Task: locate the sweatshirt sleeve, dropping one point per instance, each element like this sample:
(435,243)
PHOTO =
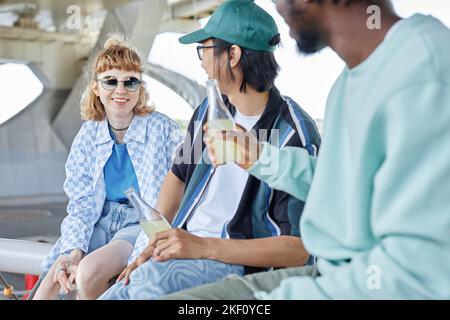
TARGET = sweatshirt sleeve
(290,169)
(410,212)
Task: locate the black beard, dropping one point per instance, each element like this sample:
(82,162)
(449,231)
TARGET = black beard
(308,37)
(309,42)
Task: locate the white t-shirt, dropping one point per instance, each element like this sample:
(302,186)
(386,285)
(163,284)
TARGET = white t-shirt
(221,198)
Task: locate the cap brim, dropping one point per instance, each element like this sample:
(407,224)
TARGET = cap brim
(193,37)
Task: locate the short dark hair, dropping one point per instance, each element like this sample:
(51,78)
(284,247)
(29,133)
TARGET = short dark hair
(259,68)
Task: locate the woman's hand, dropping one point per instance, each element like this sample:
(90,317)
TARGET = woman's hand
(247,145)
(66,269)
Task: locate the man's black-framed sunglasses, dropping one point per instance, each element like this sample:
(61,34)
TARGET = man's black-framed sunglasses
(131,84)
(200,50)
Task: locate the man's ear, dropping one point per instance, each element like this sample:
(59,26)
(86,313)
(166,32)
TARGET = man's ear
(235,55)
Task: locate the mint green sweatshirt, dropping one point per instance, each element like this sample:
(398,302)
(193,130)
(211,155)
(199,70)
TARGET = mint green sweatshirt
(377,214)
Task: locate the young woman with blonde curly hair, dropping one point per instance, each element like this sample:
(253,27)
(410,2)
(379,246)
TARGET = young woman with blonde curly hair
(123,143)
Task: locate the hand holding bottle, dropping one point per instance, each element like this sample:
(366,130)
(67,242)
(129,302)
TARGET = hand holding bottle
(151,220)
(247,145)
(219,119)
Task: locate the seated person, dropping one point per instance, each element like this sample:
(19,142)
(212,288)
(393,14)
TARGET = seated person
(225,221)
(123,143)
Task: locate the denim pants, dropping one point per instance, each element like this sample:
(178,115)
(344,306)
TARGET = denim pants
(118,222)
(153,280)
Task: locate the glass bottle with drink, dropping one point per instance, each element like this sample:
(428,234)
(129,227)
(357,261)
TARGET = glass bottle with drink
(151,220)
(220,119)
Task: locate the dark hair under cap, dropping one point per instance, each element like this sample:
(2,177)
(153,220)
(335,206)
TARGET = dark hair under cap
(259,68)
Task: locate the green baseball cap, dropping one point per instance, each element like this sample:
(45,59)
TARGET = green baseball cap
(239,22)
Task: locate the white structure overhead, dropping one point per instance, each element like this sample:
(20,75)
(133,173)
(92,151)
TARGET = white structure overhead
(34,143)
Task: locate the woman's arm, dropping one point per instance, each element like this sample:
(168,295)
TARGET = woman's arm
(77,227)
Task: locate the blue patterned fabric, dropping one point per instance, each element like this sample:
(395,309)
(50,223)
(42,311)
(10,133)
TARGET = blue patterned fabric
(151,141)
(156,279)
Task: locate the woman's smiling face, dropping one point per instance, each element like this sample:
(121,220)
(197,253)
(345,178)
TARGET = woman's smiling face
(118,102)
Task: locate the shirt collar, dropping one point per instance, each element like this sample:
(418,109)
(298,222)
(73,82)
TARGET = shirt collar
(271,111)
(103,135)
(136,131)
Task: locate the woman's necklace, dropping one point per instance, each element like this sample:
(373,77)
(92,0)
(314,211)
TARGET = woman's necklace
(121,129)
(118,136)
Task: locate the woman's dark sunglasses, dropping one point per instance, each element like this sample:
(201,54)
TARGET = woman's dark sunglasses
(131,84)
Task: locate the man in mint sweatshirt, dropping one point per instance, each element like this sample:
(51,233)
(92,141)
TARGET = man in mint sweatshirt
(377,213)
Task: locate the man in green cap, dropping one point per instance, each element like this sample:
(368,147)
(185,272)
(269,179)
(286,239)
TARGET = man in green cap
(377,210)
(225,221)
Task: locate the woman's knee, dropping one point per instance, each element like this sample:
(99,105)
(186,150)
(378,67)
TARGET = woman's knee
(88,276)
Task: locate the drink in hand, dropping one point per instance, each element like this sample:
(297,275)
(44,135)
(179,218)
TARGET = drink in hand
(225,150)
(220,119)
(151,220)
(152,227)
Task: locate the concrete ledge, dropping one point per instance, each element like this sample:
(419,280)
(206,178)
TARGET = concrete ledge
(32,200)
(22,256)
